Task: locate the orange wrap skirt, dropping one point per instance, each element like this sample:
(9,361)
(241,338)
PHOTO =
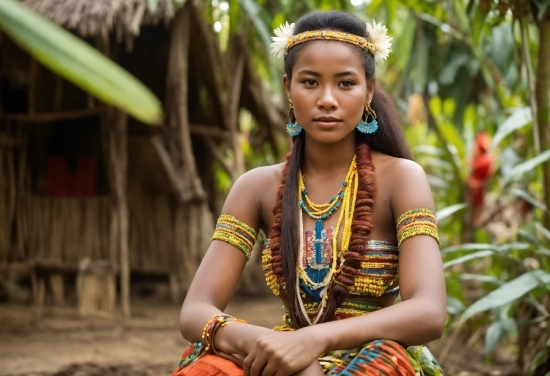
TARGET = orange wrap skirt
(379,357)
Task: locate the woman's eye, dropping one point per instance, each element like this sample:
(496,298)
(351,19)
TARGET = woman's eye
(347,83)
(309,82)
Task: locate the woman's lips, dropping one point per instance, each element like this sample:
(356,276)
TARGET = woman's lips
(327,121)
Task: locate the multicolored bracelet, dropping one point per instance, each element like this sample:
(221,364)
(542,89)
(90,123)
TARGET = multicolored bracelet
(212,326)
(235,232)
(414,222)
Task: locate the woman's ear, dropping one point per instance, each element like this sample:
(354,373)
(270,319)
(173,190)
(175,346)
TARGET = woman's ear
(370,90)
(286,84)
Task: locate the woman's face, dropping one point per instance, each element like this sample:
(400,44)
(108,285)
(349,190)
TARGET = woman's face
(328,90)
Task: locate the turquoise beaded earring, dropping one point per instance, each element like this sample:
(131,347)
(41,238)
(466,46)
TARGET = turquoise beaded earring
(370,127)
(293,128)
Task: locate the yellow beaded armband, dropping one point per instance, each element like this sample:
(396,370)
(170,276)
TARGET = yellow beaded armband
(416,222)
(237,233)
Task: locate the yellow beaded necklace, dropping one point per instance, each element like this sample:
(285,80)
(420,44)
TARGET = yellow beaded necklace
(345,218)
(319,211)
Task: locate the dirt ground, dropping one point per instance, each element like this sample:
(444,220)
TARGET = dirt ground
(57,341)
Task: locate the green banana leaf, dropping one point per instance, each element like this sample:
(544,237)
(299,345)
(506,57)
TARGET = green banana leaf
(526,166)
(508,292)
(76,61)
(449,210)
(468,257)
(494,333)
(524,195)
(518,119)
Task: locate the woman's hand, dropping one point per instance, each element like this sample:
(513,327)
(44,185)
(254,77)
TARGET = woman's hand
(281,354)
(238,359)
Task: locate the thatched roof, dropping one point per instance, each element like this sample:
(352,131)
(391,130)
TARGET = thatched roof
(101,17)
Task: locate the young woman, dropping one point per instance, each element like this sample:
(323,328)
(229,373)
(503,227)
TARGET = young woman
(349,223)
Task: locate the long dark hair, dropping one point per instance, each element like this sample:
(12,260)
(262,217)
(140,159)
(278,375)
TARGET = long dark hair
(388,139)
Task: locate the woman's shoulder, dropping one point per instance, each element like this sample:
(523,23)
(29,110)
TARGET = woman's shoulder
(258,182)
(252,191)
(404,181)
(261,176)
(397,168)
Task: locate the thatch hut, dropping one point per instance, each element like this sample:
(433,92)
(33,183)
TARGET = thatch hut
(89,196)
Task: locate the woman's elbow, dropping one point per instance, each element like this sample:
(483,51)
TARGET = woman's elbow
(436,323)
(185,324)
(183,330)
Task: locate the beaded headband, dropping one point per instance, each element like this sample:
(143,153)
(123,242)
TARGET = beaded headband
(378,43)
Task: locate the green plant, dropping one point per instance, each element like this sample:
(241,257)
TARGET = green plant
(75,60)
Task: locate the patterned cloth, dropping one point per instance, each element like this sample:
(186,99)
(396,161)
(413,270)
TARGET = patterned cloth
(379,357)
(206,365)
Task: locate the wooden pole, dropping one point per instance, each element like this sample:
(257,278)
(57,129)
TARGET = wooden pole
(119,153)
(115,136)
(115,139)
(177,94)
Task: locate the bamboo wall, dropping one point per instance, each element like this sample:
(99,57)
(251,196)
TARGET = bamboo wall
(65,230)
(12,178)
(68,230)
(152,233)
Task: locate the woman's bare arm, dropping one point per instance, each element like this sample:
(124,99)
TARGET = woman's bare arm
(220,270)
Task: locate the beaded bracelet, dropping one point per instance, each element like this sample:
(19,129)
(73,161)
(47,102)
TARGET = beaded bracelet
(212,327)
(235,232)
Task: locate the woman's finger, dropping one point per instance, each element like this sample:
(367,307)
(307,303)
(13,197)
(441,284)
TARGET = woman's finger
(268,370)
(255,366)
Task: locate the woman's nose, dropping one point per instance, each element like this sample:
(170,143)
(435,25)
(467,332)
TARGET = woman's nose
(327,99)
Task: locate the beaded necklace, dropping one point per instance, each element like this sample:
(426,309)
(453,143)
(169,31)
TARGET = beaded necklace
(320,212)
(346,199)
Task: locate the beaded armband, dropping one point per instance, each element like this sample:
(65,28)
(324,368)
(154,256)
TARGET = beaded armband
(237,233)
(416,222)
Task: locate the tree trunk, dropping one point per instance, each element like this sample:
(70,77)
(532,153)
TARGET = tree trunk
(177,94)
(542,89)
(190,233)
(238,65)
(523,17)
